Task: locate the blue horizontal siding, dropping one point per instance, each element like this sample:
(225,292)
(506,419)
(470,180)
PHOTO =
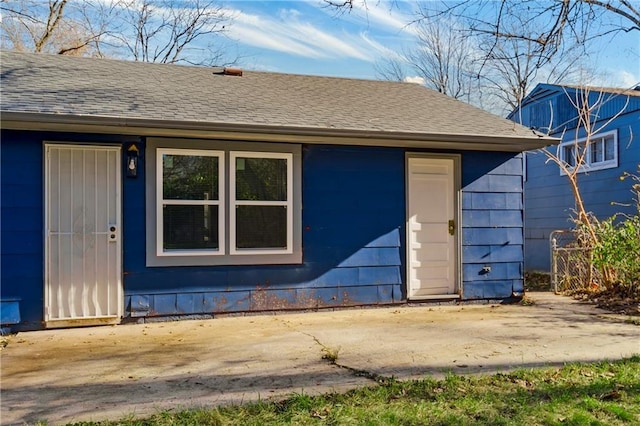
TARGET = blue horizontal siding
(489,200)
(492,228)
(259,299)
(373,256)
(492,218)
(497,184)
(492,236)
(379,275)
(499,271)
(492,290)
(489,254)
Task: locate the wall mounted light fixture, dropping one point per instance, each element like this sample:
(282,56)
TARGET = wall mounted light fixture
(132,161)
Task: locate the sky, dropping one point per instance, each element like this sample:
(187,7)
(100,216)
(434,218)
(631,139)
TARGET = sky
(307,37)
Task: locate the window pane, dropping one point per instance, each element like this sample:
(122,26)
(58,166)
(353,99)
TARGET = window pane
(261,179)
(189,177)
(569,155)
(261,227)
(609,148)
(190,227)
(597,151)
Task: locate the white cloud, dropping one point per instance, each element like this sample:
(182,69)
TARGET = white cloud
(288,32)
(627,79)
(381,49)
(381,13)
(323,41)
(415,79)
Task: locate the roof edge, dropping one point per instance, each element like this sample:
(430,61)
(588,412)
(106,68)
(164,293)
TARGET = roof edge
(144,127)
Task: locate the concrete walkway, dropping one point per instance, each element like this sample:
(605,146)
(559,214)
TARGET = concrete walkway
(110,372)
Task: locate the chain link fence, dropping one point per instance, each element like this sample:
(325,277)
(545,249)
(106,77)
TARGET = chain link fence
(571,265)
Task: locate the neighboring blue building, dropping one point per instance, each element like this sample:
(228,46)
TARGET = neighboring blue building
(133,190)
(615,149)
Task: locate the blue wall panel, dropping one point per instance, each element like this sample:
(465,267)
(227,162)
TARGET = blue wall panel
(499,271)
(379,275)
(492,225)
(21,192)
(9,312)
(491,236)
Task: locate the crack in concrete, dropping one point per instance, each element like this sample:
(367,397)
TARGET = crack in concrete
(331,356)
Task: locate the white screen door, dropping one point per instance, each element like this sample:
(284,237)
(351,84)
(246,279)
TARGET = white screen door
(83,256)
(431,228)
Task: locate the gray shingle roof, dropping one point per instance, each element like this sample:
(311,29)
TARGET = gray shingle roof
(161,96)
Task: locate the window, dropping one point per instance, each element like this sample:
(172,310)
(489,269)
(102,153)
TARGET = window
(190,189)
(260,207)
(237,204)
(602,152)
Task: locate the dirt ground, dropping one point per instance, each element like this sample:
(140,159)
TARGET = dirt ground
(110,372)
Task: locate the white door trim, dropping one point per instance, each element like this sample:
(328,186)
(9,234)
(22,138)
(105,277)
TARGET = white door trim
(116,311)
(456,198)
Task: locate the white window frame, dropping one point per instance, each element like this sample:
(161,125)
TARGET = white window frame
(161,202)
(233,203)
(588,165)
(183,145)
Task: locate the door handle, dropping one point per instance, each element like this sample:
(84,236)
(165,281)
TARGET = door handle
(452,227)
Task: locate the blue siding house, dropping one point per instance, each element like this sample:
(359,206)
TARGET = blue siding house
(134,191)
(614,149)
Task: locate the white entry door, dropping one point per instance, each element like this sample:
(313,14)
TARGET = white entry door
(83,255)
(431,228)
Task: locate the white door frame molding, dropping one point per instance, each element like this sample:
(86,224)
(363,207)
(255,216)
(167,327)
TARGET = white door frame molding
(83,235)
(455,197)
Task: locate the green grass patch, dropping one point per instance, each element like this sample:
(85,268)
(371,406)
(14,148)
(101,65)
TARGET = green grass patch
(603,393)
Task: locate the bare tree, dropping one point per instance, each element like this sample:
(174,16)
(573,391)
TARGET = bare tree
(556,22)
(442,57)
(510,67)
(391,69)
(56,26)
(472,67)
(572,158)
(167,31)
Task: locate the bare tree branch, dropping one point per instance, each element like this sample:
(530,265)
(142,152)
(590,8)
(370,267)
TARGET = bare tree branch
(590,123)
(145,30)
(162,31)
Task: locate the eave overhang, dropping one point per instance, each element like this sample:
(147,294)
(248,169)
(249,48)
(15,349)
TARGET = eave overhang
(34,121)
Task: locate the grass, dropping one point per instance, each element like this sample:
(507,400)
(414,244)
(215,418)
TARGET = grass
(604,393)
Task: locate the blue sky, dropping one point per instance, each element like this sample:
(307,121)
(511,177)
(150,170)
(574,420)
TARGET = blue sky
(307,37)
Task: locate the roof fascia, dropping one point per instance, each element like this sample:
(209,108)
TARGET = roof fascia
(138,127)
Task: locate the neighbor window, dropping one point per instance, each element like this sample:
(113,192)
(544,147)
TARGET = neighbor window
(237,204)
(602,152)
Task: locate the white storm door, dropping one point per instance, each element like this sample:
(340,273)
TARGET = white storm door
(83,245)
(431,240)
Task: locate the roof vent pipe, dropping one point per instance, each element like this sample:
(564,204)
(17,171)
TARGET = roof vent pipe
(236,72)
